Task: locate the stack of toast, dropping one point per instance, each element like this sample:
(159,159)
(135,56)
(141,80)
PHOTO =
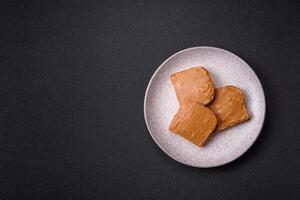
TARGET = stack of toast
(204,108)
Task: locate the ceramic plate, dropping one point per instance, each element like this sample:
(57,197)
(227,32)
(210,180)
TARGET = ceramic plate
(161,104)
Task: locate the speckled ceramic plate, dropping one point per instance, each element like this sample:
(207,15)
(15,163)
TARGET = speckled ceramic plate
(161,104)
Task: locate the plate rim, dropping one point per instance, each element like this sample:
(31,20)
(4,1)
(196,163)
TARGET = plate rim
(203,47)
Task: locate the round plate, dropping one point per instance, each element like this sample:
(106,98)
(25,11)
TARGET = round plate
(160,105)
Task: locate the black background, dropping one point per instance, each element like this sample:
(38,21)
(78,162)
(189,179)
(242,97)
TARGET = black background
(72,80)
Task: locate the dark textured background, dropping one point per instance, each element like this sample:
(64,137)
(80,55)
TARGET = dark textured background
(72,82)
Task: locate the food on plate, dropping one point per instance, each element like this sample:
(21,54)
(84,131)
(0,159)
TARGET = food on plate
(193,85)
(194,122)
(229,107)
(202,108)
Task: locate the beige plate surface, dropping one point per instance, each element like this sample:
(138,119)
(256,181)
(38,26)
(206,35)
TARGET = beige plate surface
(160,105)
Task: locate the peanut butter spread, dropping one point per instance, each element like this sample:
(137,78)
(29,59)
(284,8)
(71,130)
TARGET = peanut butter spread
(193,85)
(229,107)
(194,122)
